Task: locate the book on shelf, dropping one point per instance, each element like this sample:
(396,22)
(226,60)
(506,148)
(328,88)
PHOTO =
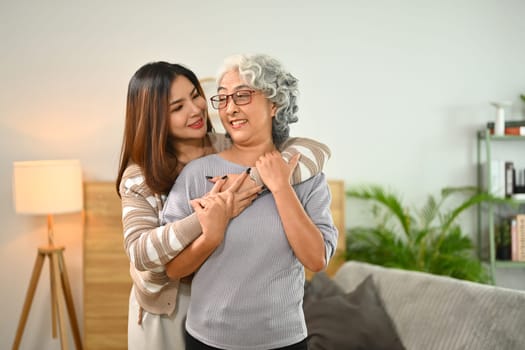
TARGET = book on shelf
(495,184)
(501,179)
(520,238)
(508,123)
(512,130)
(514,228)
(509,179)
(512,127)
(519,184)
(513,239)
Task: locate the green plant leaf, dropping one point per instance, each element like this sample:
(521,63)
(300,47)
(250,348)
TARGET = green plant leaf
(427,240)
(388,200)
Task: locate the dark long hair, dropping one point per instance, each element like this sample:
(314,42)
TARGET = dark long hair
(147,141)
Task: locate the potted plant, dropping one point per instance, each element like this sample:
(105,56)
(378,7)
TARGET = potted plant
(427,239)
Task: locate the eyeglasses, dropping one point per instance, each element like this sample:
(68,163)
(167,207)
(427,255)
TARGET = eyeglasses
(240,98)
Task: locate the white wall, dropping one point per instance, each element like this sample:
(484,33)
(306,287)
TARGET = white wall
(397,89)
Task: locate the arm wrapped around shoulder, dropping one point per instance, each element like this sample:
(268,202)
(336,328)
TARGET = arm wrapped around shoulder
(314,156)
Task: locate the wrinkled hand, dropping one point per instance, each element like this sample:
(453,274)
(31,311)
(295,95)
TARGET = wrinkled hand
(275,172)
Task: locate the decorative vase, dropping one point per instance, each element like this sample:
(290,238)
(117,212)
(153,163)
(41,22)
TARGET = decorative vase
(499,125)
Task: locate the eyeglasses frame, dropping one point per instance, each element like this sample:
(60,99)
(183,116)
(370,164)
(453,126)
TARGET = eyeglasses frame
(252,92)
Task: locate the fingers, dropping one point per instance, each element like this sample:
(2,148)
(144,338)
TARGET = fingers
(271,157)
(238,182)
(246,201)
(211,200)
(253,191)
(213,179)
(218,185)
(229,203)
(197,205)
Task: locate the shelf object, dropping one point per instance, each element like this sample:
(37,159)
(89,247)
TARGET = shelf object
(485,141)
(499,128)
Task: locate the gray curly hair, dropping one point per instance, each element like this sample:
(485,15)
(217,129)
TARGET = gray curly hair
(268,75)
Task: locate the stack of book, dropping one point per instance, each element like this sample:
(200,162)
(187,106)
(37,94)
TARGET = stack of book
(505,180)
(511,242)
(517,235)
(512,127)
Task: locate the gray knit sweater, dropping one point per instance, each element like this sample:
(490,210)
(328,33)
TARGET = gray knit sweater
(248,294)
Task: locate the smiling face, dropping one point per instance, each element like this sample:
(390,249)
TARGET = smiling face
(249,123)
(186,110)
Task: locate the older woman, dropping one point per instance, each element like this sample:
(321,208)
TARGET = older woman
(248,286)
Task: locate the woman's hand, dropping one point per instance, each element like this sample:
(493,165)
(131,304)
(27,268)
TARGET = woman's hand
(274,170)
(240,186)
(230,180)
(214,213)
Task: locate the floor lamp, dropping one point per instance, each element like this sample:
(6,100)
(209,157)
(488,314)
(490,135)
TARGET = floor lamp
(48,188)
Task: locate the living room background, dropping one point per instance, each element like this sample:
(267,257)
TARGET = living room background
(397,89)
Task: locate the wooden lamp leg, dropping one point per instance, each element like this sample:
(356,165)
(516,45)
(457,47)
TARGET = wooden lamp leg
(54,299)
(37,269)
(69,301)
(59,297)
(60,294)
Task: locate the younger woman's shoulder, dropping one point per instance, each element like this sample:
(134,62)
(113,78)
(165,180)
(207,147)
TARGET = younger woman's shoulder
(303,143)
(133,180)
(132,170)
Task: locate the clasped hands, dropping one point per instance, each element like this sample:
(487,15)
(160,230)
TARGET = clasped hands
(229,198)
(233,193)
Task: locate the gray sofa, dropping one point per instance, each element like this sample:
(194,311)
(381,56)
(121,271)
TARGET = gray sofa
(434,312)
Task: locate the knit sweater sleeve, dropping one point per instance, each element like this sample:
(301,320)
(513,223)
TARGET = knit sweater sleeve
(148,244)
(314,156)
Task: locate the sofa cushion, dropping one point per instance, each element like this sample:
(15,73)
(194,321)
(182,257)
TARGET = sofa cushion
(437,312)
(355,320)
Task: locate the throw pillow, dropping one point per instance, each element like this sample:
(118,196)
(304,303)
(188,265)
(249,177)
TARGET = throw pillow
(320,287)
(356,320)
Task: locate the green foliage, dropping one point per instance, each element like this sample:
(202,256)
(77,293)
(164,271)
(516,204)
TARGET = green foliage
(426,239)
(502,234)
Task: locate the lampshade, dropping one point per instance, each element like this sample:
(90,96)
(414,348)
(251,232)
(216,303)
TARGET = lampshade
(47,186)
